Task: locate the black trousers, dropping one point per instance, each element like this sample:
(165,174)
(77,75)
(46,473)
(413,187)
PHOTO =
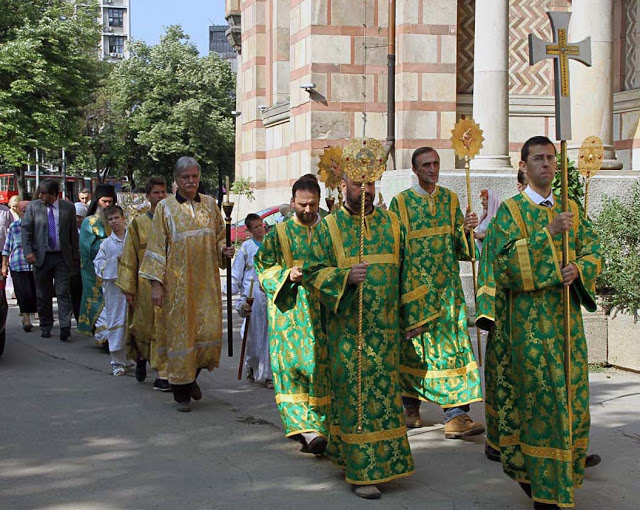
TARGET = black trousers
(53,273)
(182,392)
(25,287)
(76,294)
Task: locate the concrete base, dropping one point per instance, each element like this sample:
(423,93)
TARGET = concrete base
(624,342)
(595,329)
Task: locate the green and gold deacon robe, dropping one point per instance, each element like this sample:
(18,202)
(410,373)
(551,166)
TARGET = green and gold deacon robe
(380,452)
(184,253)
(92,232)
(438,365)
(141,323)
(301,395)
(527,410)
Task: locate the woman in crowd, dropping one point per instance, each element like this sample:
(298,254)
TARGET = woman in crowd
(21,272)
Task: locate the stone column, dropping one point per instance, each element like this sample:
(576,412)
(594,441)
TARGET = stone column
(491,84)
(592,87)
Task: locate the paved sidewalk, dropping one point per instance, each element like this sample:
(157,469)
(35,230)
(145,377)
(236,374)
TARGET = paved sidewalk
(72,436)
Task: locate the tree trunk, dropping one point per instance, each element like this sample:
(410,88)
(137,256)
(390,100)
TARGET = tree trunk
(19,173)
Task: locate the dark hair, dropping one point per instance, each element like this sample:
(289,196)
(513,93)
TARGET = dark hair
(534,140)
(308,182)
(84,190)
(112,209)
(154,181)
(49,186)
(251,217)
(419,152)
(522,177)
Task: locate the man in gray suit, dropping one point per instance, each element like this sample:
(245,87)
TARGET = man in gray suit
(50,242)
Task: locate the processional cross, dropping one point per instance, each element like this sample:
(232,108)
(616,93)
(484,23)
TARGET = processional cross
(561,51)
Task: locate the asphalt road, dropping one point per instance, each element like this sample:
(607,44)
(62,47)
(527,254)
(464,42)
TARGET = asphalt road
(72,436)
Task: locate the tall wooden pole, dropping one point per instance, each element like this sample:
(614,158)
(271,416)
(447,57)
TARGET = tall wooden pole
(227,207)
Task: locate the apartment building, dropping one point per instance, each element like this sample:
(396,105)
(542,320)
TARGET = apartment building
(115,18)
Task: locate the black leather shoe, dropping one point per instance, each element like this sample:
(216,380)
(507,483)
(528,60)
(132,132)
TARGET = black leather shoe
(592,460)
(65,333)
(544,506)
(526,488)
(141,370)
(45,333)
(195,392)
(317,446)
(491,453)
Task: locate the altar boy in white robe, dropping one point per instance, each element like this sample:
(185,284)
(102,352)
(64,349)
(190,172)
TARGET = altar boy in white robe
(257,361)
(115,302)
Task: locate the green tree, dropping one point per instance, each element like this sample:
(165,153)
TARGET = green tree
(171,102)
(48,71)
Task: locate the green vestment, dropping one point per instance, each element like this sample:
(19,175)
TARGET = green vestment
(438,365)
(300,395)
(380,452)
(520,292)
(92,232)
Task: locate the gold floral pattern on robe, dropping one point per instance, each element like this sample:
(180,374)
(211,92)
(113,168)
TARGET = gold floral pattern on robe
(526,401)
(184,253)
(141,318)
(438,365)
(302,399)
(381,451)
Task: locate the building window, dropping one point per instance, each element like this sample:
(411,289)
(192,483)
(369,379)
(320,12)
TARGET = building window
(116,17)
(116,45)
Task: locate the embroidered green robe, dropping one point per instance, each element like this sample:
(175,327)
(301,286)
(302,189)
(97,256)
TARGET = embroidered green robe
(438,365)
(527,412)
(92,232)
(300,395)
(381,451)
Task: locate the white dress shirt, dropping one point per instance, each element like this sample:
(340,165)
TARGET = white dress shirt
(537,198)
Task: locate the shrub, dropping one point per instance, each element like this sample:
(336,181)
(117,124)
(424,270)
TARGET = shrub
(619,228)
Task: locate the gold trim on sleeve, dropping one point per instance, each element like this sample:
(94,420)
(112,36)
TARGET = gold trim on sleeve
(525,264)
(285,246)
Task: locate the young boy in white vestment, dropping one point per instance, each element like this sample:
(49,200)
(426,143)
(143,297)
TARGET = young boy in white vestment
(257,362)
(115,302)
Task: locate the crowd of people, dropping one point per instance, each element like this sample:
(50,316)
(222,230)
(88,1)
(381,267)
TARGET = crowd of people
(350,346)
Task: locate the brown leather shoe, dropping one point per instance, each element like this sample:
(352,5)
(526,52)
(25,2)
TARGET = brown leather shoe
(462,426)
(412,417)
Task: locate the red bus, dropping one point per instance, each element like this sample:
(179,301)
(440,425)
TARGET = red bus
(72,185)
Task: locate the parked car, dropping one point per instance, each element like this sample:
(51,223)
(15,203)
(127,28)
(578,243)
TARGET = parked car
(270,216)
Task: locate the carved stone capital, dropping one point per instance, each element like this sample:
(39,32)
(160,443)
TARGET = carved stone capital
(234,32)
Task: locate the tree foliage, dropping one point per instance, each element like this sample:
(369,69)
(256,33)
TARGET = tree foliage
(619,228)
(171,102)
(48,72)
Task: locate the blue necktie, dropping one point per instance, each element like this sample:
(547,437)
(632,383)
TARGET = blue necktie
(52,229)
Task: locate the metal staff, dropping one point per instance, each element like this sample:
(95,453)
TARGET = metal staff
(227,207)
(560,51)
(466,138)
(246,331)
(364,161)
(472,252)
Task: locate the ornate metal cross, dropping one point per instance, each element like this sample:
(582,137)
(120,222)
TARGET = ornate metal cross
(560,51)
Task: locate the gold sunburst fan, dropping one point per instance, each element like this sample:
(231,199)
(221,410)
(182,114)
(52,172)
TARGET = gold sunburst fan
(364,159)
(330,167)
(466,138)
(591,156)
